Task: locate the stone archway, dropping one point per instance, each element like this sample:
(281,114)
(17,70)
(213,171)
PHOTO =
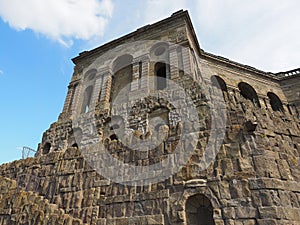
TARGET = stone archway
(199,210)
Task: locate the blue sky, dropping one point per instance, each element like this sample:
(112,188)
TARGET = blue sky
(39,38)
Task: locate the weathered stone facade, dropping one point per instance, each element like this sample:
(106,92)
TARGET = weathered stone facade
(253,178)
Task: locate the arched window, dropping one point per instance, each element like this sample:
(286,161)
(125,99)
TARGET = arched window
(46,148)
(275,102)
(87,99)
(161,75)
(121,62)
(248,92)
(218,82)
(199,211)
(122,76)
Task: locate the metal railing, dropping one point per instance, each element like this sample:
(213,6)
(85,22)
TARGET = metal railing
(27,152)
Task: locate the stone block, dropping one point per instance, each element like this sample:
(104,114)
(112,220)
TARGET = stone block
(271,212)
(249,222)
(266,167)
(229,212)
(267,222)
(246,212)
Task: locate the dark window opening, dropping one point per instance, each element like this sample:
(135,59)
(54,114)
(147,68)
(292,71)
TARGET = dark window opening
(289,108)
(218,82)
(75,145)
(140,73)
(248,92)
(180,61)
(46,148)
(199,211)
(114,127)
(275,102)
(87,99)
(161,75)
(113,137)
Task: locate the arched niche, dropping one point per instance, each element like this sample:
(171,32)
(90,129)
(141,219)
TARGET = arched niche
(275,102)
(248,92)
(218,82)
(46,148)
(199,210)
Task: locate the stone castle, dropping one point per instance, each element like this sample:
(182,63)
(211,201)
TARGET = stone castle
(155,130)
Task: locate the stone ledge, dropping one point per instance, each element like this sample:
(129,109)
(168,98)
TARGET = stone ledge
(272,183)
(279,213)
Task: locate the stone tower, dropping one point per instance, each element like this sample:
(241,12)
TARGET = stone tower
(155,130)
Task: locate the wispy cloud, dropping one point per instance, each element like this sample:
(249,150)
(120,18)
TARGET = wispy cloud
(61,20)
(1,72)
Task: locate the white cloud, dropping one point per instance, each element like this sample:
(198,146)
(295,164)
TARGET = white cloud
(61,20)
(1,72)
(263,34)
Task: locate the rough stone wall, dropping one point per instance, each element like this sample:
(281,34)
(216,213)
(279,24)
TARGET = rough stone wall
(291,88)
(254,179)
(25,207)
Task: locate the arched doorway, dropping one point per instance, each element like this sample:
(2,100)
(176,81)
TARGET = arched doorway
(199,211)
